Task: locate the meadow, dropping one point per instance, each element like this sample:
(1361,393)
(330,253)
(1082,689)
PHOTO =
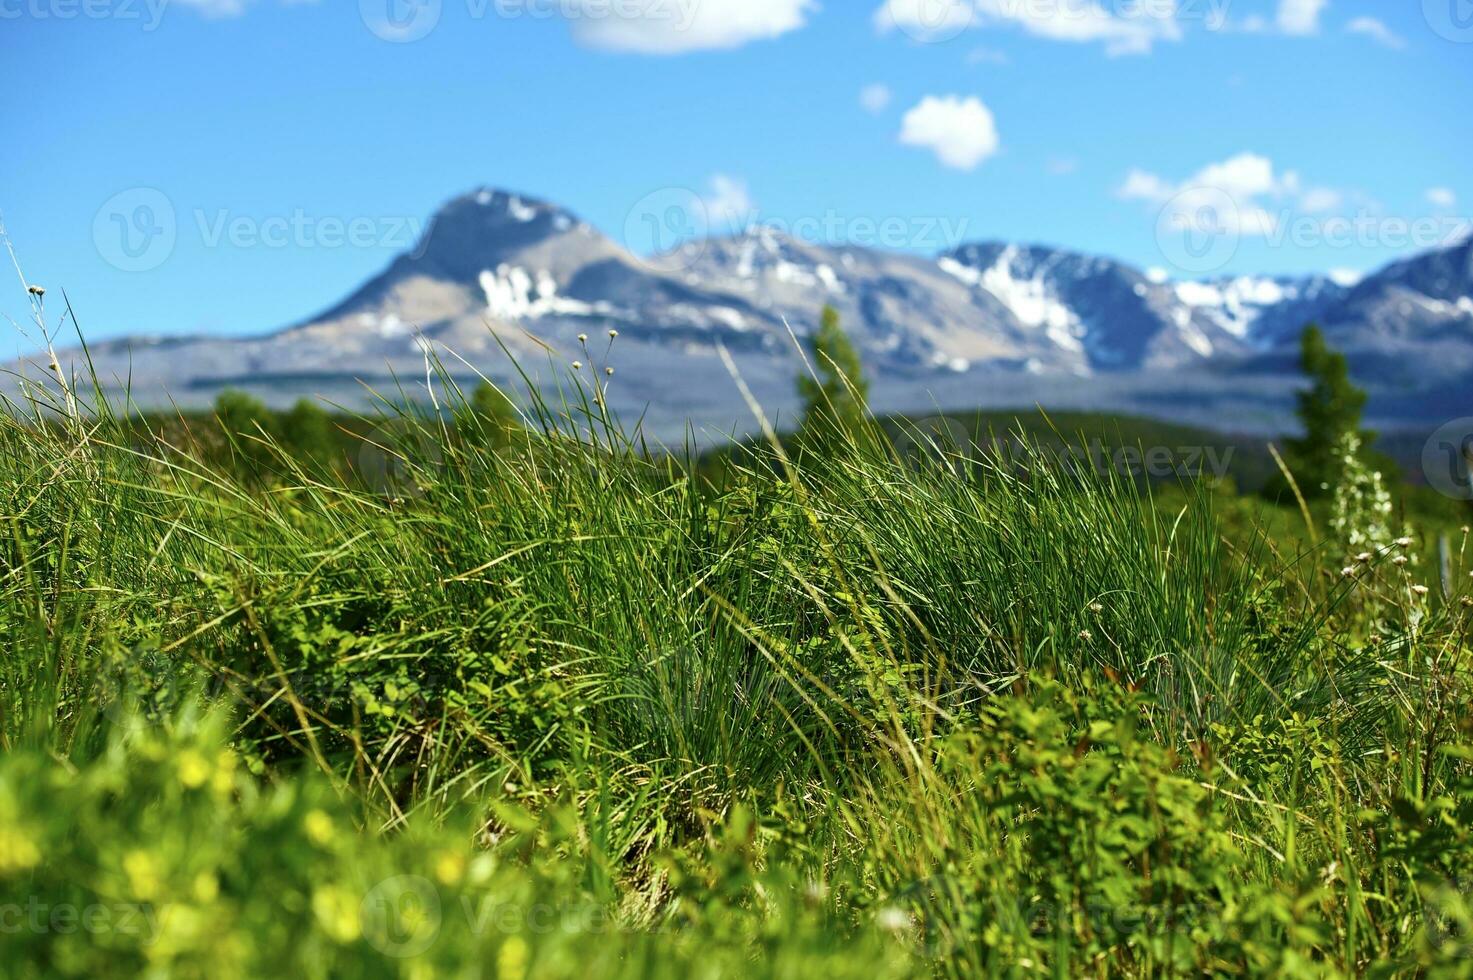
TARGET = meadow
(549,703)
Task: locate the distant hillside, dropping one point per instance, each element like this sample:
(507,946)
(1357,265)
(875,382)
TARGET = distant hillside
(983,324)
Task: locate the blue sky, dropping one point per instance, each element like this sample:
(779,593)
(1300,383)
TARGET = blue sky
(299,144)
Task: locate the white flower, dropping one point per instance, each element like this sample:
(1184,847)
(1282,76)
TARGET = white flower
(609,371)
(1399,560)
(1420,589)
(1095,607)
(583,338)
(1347,571)
(892,919)
(613,334)
(577,365)
(1086,635)
(1364,556)
(1403,542)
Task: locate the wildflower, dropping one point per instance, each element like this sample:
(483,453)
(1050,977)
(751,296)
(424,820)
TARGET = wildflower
(1420,589)
(1362,507)
(1403,542)
(17,851)
(142,869)
(892,919)
(1467,600)
(1347,572)
(206,886)
(223,781)
(319,828)
(1086,635)
(1364,556)
(577,365)
(1095,607)
(583,338)
(511,959)
(36,291)
(1399,560)
(613,334)
(193,769)
(609,371)
(337,913)
(450,868)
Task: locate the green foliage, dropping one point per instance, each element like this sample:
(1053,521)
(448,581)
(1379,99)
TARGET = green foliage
(490,418)
(834,399)
(1329,410)
(306,430)
(850,713)
(246,425)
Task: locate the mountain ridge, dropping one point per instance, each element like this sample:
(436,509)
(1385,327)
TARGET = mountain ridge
(493,268)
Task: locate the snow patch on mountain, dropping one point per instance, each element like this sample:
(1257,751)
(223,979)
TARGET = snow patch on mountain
(513,294)
(1032,301)
(1235,305)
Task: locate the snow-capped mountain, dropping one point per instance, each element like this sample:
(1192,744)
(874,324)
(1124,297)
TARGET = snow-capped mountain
(979,323)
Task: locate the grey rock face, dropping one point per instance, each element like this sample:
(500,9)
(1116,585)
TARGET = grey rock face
(496,269)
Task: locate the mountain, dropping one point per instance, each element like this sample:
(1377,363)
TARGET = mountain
(986,323)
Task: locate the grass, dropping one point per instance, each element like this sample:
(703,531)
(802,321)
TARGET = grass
(559,706)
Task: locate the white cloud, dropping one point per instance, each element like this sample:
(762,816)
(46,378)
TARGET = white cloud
(1376,31)
(1134,29)
(677,26)
(1301,16)
(728,203)
(961,132)
(1238,190)
(926,19)
(987,56)
(1442,197)
(214,8)
(227,8)
(875,98)
(1320,200)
